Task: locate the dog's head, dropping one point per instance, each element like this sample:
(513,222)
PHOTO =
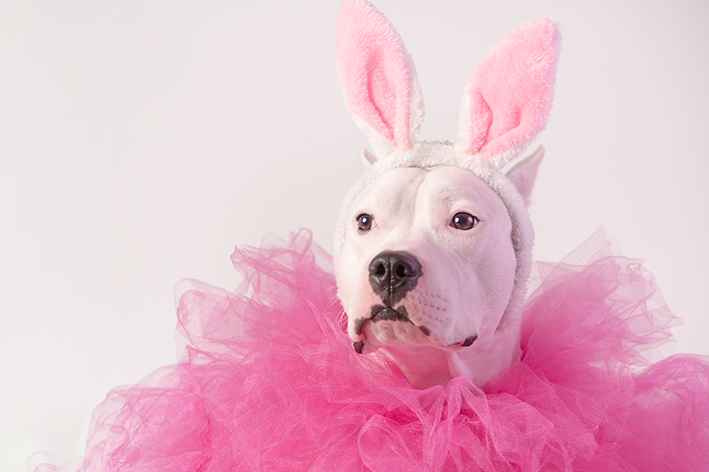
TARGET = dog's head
(433,243)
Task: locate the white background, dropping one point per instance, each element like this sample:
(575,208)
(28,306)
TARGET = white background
(141,140)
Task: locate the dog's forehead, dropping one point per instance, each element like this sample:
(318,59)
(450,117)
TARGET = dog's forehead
(447,186)
(392,187)
(453,183)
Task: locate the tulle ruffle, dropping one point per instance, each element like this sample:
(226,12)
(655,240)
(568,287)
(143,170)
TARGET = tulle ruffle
(268,380)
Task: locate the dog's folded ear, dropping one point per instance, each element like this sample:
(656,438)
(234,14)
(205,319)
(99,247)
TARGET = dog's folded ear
(509,94)
(524,173)
(378,78)
(366,159)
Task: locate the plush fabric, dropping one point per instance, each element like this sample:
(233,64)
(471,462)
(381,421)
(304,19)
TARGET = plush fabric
(377,76)
(509,94)
(268,380)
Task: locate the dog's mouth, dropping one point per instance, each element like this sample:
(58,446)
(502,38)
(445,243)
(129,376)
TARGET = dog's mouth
(388,313)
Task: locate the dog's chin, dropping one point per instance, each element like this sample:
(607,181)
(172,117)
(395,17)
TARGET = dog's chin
(383,333)
(400,334)
(386,326)
(389,327)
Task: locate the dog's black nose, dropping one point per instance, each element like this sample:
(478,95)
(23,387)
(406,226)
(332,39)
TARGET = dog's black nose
(392,274)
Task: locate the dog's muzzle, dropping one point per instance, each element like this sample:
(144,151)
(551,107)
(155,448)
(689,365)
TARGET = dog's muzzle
(392,274)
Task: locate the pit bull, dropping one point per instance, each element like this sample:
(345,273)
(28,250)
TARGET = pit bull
(432,246)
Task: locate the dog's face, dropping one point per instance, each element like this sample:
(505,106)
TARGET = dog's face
(427,259)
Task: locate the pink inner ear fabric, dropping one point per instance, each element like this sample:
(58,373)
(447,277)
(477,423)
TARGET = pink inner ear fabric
(511,89)
(373,69)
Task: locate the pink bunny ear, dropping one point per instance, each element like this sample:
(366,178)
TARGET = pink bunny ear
(509,94)
(378,78)
(523,174)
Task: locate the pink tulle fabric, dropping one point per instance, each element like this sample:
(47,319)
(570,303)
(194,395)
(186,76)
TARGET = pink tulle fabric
(269,381)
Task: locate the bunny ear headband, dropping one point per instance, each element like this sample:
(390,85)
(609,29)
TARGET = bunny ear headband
(506,102)
(505,105)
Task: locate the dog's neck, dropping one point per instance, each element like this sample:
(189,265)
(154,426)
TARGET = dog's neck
(483,361)
(423,366)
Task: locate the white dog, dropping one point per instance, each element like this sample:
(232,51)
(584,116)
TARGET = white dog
(433,243)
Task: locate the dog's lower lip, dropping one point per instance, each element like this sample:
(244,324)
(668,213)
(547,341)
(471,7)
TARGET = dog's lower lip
(384,313)
(387,313)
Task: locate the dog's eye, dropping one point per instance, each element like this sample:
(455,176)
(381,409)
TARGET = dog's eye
(365,222)
(464,221)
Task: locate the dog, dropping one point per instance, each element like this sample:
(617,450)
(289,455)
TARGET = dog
(432,246)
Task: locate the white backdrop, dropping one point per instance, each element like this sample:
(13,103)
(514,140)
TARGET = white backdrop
(141,140)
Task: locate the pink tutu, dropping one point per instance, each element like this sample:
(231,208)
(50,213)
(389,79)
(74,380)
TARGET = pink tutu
(269,381)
